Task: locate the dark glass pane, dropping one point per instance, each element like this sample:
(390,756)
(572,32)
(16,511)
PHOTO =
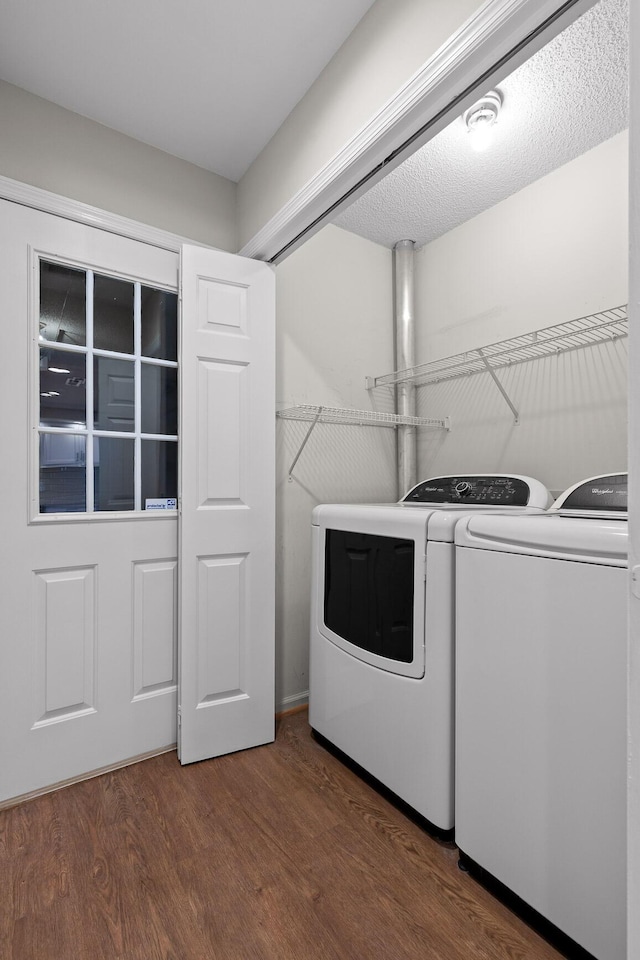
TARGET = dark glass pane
(113,314)
(113,473)
(113,394)
(159,324)
(62,304)
(63,397)
(159,399)
(62,473)
(159,470)
(368,592)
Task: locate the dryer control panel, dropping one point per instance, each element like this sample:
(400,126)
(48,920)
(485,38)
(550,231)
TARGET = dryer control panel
(483,489)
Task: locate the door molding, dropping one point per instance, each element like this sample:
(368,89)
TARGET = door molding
(491,44)
(69,209)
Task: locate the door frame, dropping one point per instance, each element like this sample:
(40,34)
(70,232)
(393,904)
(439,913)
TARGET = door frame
(69,209)
(633,649)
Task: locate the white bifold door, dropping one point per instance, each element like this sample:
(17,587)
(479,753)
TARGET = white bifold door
(136,518)
(227,583)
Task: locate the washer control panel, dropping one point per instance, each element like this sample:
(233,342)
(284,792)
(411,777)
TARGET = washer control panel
(484,489)
(606,493)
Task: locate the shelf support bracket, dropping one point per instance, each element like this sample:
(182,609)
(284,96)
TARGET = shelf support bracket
(304,442)
(516,415)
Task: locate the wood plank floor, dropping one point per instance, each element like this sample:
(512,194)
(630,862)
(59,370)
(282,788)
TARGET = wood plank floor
(277,853)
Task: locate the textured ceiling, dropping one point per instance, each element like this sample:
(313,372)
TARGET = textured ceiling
(566,99)
(206,80)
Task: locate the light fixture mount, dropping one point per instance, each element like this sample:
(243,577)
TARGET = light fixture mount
(484,112)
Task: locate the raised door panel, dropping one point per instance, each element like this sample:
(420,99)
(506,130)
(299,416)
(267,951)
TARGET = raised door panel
(65,638)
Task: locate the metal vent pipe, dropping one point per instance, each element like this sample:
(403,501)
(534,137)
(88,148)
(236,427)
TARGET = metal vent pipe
(405,341)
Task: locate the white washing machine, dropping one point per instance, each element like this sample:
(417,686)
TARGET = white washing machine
(541,639)
(382,621)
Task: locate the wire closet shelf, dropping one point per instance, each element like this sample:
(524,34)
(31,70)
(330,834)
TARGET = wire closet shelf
(587,331)
(596,328)
(315,414)
(360,418)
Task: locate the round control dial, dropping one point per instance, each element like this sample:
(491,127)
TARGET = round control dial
(462,488)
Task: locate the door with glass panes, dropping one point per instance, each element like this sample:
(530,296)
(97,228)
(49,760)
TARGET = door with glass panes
(107,405)
(89,557)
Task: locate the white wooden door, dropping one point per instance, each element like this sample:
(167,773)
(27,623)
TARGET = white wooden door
(89,602)
(227,539)
(88,611)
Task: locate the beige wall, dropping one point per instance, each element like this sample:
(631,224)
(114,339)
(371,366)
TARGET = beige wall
(391,43)
(334,328)
(48,147)
(554,251)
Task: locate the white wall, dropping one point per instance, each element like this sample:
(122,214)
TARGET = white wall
(554,251)
(48,147)
(334,327)
(391,42)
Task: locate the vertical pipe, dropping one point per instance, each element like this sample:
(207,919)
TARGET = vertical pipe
(404,321)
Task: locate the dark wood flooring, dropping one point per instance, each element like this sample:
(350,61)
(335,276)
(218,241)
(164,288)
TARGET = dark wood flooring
(277,853)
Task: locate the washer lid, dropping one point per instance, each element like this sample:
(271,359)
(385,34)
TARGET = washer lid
(583,538)
(443,520)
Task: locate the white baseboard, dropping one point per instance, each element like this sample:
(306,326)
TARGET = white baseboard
(292,702)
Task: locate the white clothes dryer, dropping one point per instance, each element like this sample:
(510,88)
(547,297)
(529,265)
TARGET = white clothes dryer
(540,743)
(382,623)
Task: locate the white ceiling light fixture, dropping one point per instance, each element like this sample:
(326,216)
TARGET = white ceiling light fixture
(480,119)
